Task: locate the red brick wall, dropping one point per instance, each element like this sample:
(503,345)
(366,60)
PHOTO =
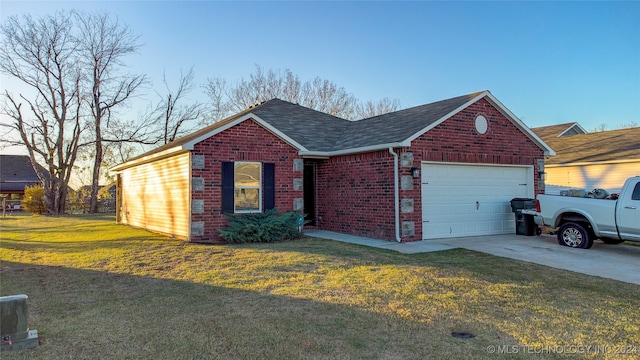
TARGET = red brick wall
(354,195)
(355,192)
(456,140)
(247,141)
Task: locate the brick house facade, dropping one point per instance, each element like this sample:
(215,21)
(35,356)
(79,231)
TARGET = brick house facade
(239,144)
(351,177)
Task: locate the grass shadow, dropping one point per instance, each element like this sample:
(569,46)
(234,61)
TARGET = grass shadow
(151,297)
(102,315)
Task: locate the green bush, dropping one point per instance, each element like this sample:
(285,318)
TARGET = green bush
(262,227)
(33,200)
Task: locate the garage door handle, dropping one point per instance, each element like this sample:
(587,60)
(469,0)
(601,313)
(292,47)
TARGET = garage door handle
(477,205)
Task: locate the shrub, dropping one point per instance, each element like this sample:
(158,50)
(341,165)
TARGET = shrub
(33,200)
(262,227)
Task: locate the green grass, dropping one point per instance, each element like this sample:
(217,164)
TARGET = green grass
(98,290)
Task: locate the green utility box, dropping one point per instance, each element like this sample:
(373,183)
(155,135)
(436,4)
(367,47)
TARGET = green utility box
(15,335)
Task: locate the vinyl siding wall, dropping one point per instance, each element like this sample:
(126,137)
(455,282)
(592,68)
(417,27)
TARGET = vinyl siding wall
(155,196)
(609,176)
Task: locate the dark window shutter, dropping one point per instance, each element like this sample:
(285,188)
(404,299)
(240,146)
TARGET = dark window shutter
(269,186)
(227,187)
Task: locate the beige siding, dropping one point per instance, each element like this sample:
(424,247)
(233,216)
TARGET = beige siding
(609,176)
(155,196)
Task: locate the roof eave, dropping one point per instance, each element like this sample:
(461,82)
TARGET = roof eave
(190,145)
(587,163)
(358,150)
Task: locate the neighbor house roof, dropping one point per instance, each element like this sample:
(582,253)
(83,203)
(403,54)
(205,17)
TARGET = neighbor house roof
(603,146)
(316,133)
(551,131)
(16,172)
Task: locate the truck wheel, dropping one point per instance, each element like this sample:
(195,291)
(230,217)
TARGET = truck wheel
(612,241)
(574,235)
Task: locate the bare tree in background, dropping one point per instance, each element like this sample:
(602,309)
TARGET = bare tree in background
(603,127)
(171,114)
(218,107)
(102,45)
(318,94)
(42,54)
(371,109)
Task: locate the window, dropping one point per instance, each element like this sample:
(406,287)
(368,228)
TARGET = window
(247,181)
(636,192)
(247,187)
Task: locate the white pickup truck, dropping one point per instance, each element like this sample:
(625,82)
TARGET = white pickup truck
(580,220)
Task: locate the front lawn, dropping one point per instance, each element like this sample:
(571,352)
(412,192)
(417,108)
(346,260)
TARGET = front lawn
(98,290)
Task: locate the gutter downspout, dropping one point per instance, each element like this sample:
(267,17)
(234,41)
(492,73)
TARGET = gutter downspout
(396,192)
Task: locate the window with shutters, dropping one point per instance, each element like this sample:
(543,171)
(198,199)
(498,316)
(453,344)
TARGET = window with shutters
(247,187)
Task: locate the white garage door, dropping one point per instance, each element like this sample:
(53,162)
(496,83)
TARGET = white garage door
(468,200)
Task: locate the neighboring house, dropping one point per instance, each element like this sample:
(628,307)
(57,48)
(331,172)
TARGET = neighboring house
(560,130)
(598,160)
(16,173)
(445,169)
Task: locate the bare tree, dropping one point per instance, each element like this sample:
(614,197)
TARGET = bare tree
(371,109)
(42,55)
(218,107)
(263,86)
(102,44)
(318,94)
(171,114)
(603,127)
(325,96)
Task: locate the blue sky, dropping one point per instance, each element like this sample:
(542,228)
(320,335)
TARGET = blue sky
(548,62)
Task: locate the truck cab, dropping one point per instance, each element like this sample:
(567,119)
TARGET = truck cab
(579,220)
(628,211)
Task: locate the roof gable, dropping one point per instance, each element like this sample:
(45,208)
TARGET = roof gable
(603,146)
(567,129)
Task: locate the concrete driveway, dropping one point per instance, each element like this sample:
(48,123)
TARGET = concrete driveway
(618,262)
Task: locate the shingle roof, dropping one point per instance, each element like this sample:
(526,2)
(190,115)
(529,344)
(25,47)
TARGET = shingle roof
(318,132)
(312,129)
(16,172)
(545,132)
(397,126)
(613,145)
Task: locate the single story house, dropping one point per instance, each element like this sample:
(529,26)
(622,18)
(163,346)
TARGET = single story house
(445,169)
(16,173)
(597,160)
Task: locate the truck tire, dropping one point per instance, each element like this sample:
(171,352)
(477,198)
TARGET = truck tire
(612,241)
(574,235)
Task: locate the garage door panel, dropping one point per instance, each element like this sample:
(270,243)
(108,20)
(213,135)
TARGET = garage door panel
(468,200)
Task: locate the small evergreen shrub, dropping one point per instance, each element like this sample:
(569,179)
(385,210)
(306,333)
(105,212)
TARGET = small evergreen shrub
(33,200)
(262,227)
